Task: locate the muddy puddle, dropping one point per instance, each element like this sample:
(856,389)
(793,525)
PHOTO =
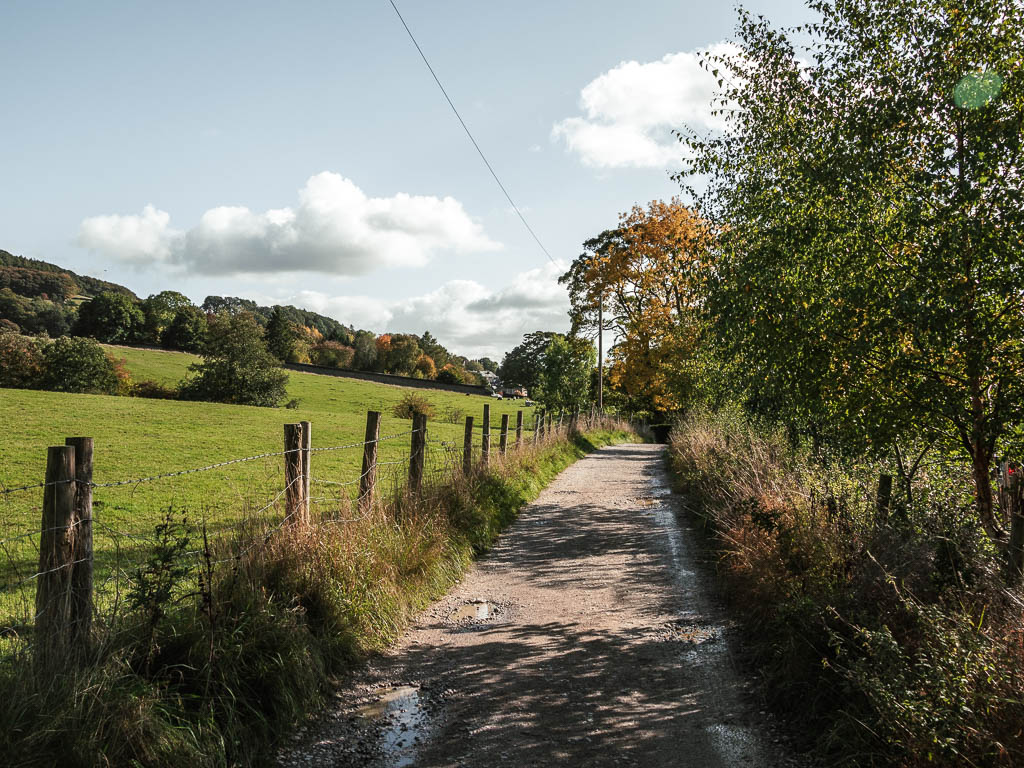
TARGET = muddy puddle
(404,725)
(476,610)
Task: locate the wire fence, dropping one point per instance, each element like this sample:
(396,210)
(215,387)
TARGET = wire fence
(90,525)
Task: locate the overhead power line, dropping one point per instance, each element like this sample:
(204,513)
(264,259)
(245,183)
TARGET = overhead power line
(469,133)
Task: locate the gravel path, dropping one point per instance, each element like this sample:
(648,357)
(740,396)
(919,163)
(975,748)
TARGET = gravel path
(587,637)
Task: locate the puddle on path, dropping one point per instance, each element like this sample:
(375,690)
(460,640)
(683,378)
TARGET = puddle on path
(476,610)
(403,721)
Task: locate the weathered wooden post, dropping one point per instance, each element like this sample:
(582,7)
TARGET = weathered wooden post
(485,446)
(418,451)
(503,440)
(467,448)
(558,427)
(519,429)
(883,502)
(56,557)
(593,409)
(547,428)
(293,472)
(368,476)
(307,456)
(81,573)
(536,427)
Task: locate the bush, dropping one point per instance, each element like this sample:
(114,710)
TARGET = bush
(449,374)
(412,404)
(237,368)
(112,318)
(74,364)
(154,390)
(332,354)
(21,361)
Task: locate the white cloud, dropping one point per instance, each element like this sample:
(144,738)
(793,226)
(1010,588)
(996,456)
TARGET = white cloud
(335,228)
(631,110)
(464,315)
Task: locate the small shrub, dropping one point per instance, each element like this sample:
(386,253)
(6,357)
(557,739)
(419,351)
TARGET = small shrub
(292,404)
(154,390)
(454,415)
(413,404)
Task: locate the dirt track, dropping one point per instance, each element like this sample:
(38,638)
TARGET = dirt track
(588,637)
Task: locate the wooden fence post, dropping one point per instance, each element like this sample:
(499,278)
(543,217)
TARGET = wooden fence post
(558,427)
(519,428)
(536,427)
(81,573)
(590,424)
(56,556)
(467,448)
(307,455)
(368,476)
(547,428)
(485,446)
(503,440)
(293,472)
(417,451)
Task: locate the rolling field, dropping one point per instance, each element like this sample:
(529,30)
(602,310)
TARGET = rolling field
(137,438)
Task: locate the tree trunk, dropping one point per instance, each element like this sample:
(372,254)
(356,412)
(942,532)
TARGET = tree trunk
(981,460)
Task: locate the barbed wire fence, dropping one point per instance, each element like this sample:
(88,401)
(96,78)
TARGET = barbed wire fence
(78,560)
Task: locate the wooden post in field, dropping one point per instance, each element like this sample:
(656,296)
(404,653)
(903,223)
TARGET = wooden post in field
(81,573)
(467,448)
(883,503)
(547,428)
(1015,547)
(293,472)
(536,427)
(558,428)
(418,451)
(368,476)
(485,446)
(56,556)
(307,456)
(503,440)
(590,424)
(519,429)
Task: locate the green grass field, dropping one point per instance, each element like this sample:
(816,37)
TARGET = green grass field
(136,438)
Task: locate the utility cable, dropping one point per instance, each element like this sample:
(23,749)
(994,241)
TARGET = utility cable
(468,133)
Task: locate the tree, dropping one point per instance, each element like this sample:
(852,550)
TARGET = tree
(451,374)
(281,335)
(332,354)
(112,318)
(425,366)
(566,376)
(158,312)
(365,345)
(74,364)
(186,331)
(402,353)
(524,365)
(433,348)
(488,365)
(236,367)
(867,197)
(647,273)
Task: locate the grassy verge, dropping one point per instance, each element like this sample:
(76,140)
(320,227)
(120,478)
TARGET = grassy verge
(204,664)
(889,636)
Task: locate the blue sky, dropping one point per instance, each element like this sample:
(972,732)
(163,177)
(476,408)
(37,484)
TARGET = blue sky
(301,152)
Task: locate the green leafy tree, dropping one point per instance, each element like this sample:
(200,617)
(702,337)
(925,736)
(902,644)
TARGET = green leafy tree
(402,354)
(281,335)
(568,363)
(112,318)
(867,194)
(236,367)
(365,345)
(524,365)
(159,311)
(75,364)
(451,374)
(434,349)
(186,331)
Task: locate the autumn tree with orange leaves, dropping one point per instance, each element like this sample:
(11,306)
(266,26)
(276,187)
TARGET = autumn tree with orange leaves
(647,272)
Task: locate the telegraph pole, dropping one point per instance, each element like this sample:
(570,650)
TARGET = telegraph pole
(600,354)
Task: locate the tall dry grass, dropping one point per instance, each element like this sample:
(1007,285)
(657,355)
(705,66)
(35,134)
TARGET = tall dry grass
(890,637)
(208,660)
